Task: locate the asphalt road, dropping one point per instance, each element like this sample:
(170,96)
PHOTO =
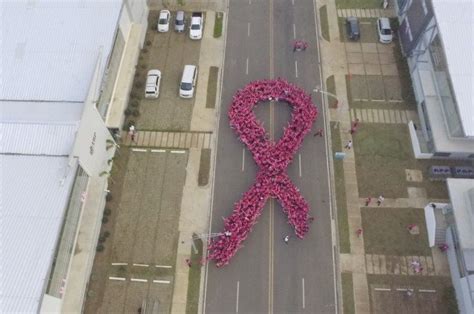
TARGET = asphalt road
(267,275)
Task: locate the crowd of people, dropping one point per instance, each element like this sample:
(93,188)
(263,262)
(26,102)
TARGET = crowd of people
(272,158)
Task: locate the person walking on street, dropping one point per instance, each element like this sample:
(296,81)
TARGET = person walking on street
(368,200)
(286,239)
(319,132)
(349,144)
(380,200)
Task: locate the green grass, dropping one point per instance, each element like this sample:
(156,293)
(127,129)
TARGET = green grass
(341,203)
(385,231)
(331,88)
(212,87)
(347,293)
(323,16)
(218,24)
(358,4)
(194,282)
(204,167)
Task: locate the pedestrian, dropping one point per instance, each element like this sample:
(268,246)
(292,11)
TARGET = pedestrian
(349,144)
(368,200)
(353,130)
(409,292)
(319,132)
(188,262)
(310,219)
(380,200)
(286,239)
(359,232)
(355,124)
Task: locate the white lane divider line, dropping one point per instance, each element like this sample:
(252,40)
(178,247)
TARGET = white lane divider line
(117,278)
(247,67)
(243,159)
(382,289)
(163,266)
(119,264)
(237,298)
(161,281)
(158,150)
(293,2)
(141,150)
(296,68)
(248,29)
(398,289)
(302,284)
(138,280)
(178,151)
(141,265)
(299,164)
(294,31)
(427,290)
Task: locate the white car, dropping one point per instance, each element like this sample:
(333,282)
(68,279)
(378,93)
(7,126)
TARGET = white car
(384,31)
(164,21)
(152,87)
(197,23)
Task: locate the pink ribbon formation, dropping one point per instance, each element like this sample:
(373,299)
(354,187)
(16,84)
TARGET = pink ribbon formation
(272,159)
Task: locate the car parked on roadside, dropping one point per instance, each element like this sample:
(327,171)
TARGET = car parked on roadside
(188,81)
(153,81)
(164,21)
(197,24)
(180,22)
(384,30)
(352,27)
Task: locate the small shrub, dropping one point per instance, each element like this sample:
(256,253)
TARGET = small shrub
(105,220)
(145,50)
(107,212)
(135,113)
(134,95)
(130,123)
(139,84)
(100,247)
(127,112)
(106,234)
(148,43)
(102,239)
(143,66)
(134,103)
(108,197)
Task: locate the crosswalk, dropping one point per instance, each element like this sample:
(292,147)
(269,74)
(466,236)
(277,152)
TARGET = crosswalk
(169,139)
(384,116)
(366,13)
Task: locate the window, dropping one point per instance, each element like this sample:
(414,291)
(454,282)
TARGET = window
(408,30)
(441,154)
(423,4)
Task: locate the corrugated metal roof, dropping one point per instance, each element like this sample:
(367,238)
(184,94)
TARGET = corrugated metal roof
(33,205)
(50,48)
(37,139)
(456,26)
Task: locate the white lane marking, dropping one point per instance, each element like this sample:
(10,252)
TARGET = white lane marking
(296,68)
(161,281)
(427,290)
(158,150)
(141,150)
(247,67)
(302,283)
(138,280)
(178,151)
(294,31)
(382,289)
(299,163)
(119,264)
(117,278)
(250,1)
(398,289)
(163,266)
(237,298)
(243,159)
(293,2)
(141,265)
(248,29)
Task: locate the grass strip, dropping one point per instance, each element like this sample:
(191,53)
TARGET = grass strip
(358,4)
(212,87)
(347,293)
(323,16)
(218,24)
(194,281)
(204,167)
(341,203)
(331,88)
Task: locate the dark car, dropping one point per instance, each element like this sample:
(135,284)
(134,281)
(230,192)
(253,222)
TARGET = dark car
(353,29)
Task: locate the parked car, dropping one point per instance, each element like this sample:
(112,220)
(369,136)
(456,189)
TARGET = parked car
(353,29)
(153,81)
(384,30)
(164,21)
(197,24)
(180,22)
(188,81)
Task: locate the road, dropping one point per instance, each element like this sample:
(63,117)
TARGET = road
(267,275)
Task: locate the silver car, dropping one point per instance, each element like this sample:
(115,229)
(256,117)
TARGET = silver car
(180,22)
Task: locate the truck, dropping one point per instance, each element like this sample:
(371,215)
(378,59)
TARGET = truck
(197,25)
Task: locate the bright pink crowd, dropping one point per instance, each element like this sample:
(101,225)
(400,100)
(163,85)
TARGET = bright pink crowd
(272,159)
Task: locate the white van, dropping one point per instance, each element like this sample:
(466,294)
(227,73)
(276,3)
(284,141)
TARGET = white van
(152,87)
(188,81)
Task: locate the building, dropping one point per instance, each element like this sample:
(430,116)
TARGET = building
(437,38)
(59,74)
(453,224)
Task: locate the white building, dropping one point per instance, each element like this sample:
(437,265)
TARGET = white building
(437,37)
(61,61)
